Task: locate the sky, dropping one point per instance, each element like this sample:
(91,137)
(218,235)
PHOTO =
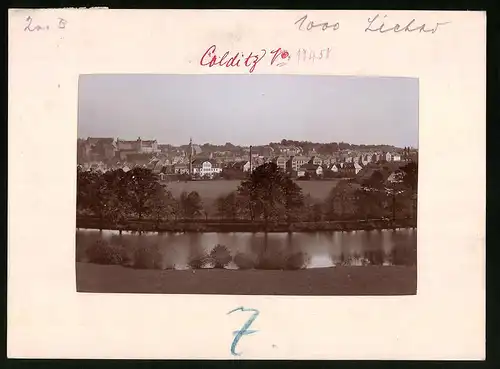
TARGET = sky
(249,109)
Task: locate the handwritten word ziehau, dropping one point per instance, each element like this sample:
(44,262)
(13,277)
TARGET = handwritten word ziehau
(249,60)
(377,24)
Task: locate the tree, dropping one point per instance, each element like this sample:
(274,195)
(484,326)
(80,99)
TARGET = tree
(270,193)
(246,203)
(117,207)
(293,199)
(369,202)
(191,204)
(101,194)
(84,183)
(341,200)
(371,196)
(313,210)
(227,206)
(410,180)
(163,204)
(394,189)
(376,180)
(410,175)
(141,186)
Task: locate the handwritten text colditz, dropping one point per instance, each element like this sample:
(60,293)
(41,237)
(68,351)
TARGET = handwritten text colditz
(212,58)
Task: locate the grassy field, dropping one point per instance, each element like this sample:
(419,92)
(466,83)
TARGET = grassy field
(367,280)
(210,190)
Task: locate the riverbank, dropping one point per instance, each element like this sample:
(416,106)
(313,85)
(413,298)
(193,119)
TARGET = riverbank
(243,226)
(366,280)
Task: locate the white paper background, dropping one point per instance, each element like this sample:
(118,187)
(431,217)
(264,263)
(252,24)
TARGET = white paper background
(47,318)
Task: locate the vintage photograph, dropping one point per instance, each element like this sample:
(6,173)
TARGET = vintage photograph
(247,184)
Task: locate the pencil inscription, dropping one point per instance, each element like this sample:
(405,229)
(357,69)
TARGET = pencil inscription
(311,25)
(31,26)
(377,24)
(303,55)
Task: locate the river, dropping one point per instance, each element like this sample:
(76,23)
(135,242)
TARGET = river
(324,249)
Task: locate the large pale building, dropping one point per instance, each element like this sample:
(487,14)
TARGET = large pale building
(138,146)
(205,167)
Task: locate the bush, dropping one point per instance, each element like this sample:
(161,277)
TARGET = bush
(355,259)
(220,256)
(243,261)
(101,252)
(147,258)
(298,260)
(199,261)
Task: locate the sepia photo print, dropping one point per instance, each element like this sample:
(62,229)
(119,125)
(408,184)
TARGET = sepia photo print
(247,184)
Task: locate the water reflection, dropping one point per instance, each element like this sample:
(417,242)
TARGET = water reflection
(320,249)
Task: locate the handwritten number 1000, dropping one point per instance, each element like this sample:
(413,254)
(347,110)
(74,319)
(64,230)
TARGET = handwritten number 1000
(311,25)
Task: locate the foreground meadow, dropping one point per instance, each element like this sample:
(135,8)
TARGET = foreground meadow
(349,280)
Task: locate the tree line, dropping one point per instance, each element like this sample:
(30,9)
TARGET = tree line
(330,147)
(321,148)
(268,195)
(115,196)
(272,196)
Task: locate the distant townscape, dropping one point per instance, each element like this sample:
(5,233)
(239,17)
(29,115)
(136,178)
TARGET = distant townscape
(299,159)
(279,186)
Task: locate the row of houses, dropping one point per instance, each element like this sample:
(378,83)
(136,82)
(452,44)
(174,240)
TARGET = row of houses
(347,166)
(147,153)
(106,148)
(198,168)
(294,163)
(209,168)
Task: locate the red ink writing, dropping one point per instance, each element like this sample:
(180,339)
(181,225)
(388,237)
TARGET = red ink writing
(211,59)
(277,57)
(278,52)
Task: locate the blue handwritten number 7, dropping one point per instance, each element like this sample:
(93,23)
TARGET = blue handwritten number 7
(244,330)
